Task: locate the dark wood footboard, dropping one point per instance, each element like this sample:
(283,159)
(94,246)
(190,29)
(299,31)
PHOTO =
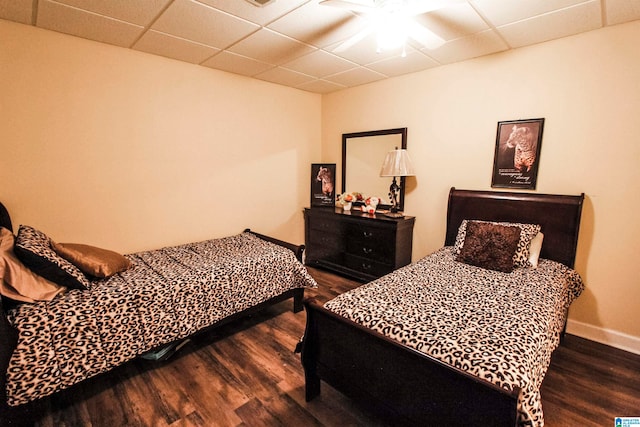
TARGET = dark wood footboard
(396,382)
(297,249)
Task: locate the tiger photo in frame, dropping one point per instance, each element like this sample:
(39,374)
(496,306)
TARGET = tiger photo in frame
(517,154)
(323,184)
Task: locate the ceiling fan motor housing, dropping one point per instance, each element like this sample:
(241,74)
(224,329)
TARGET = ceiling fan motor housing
(390,5)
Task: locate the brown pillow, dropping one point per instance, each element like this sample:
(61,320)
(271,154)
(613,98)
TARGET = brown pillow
(490,246)
(90,260)
(17,281)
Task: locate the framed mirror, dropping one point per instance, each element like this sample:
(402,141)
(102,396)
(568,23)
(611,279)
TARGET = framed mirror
(362,156)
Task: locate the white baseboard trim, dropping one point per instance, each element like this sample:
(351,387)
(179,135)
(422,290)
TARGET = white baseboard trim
(604,336)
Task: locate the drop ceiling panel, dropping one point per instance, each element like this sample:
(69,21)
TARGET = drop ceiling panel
(562,23)
(17,10)
(453,22)
(140,12)
(366,51)
(319,64)
(271,47)
(414,61)
(355,77)
(284,77)
(619,11)
(174,47)
(320,86)
(203,24)
(501,12)
(318,25)
(234,63)
(473,46)
(259,15)
(66,19)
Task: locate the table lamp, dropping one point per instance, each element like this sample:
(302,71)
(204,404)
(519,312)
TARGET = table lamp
(396,163)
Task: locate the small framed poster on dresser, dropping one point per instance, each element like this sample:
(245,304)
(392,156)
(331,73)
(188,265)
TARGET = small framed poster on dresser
(323,184)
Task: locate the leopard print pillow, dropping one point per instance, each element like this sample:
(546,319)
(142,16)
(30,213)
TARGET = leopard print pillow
(527,233)
(33,248)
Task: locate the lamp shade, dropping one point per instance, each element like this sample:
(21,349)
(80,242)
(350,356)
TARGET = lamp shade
(397,163)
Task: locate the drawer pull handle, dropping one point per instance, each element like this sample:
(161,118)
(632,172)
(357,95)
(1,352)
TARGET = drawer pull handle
(367,250)
(367,233)
(366,266)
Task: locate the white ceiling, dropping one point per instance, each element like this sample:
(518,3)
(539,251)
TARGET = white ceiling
(290,42)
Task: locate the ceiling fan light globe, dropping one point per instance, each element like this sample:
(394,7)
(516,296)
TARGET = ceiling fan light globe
(392,33)
(390,41)
(392,22)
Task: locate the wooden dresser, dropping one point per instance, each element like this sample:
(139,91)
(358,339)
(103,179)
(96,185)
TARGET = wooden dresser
(356,244)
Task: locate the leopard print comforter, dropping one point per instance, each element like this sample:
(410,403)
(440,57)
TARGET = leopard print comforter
(502,327)
(169,294)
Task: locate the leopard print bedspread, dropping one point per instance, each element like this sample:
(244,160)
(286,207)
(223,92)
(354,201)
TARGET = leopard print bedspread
(169,294)
(502,327)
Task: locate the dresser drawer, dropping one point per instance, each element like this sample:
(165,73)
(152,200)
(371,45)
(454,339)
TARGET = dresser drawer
(328,240)
(367,266)
(323,223)
(371,242)
(377,250)
(370,235)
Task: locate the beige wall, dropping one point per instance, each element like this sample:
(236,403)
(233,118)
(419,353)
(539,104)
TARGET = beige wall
(587,89)
(130,151)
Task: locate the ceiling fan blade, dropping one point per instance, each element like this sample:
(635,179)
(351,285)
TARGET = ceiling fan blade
(427,38)
(353,40)
(363,6)
(419,7)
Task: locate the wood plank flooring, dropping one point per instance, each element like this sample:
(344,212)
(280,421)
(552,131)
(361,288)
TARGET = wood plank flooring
(248,375)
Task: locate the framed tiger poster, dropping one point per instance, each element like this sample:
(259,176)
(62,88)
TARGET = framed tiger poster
(517,155)
(323,184)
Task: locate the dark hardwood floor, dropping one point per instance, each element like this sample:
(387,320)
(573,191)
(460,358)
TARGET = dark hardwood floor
(247,375)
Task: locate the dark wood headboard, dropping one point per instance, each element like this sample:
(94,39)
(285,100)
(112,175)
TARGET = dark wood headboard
(558,215)
(5,219)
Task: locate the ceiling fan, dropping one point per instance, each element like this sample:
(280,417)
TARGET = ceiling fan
(392,22)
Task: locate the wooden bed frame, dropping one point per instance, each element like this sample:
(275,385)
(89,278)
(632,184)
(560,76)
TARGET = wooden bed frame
(404,386)
(20,415)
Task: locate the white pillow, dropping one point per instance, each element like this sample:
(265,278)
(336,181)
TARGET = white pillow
(534,249)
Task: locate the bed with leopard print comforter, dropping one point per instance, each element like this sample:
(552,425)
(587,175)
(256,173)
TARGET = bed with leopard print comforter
(502,327)
(169,294)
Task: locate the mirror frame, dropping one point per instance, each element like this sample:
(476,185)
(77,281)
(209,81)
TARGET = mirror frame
(345,139)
